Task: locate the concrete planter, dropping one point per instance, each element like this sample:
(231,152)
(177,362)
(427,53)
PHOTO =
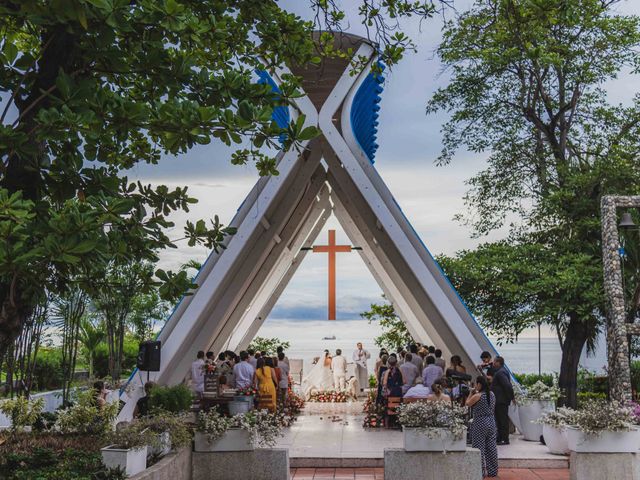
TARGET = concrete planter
(130,460)
(528,414)
(234,440)
(556,439)
(606,442)
(514,416)
(436,440)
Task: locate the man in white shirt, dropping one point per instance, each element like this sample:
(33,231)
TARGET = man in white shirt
(409,371)
(418,390)
(197,374)
(339,367)
(283,385)
(253,360)
(280,350)
(244,372)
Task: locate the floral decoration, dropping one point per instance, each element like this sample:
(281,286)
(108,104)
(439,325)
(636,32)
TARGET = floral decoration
(427,416)
(538,391)
(597,416)
(247,391)
(329,396)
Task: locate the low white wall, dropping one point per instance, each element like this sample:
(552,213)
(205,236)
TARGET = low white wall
(175,466)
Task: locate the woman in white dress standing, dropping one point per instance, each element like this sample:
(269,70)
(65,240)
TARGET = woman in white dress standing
(320,378)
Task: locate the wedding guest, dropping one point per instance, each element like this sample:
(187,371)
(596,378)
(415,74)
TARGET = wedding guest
(431,372)
(266,380)
(439,360)
(431,350)
(483,428)
(415,358)
(409,371)
(360,357)
(437,392)
(280,350)
(393,380)
(211,358)
(383,351)
(486,364)
(244,372)
(422,353)
(339,368)
(197,374)
(283,386)
(456,365)
(502,388)
(418,390)
(401,354)
(142,405)
(253,360)
(379,374)
(273,363)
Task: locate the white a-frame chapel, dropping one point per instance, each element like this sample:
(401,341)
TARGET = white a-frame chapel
(282,215)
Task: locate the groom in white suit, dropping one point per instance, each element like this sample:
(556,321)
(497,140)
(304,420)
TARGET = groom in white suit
(339,367)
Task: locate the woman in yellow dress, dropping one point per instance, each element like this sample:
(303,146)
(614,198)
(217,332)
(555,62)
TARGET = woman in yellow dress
(266,380)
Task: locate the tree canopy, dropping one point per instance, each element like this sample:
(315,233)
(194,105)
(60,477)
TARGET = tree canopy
(527,86)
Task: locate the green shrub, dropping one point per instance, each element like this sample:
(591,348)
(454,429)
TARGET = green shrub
(47,374)
(21,411)
(591,382)
(174,399)
(529,379)
(635,375)
(84,416)
(101,358)
(585,397)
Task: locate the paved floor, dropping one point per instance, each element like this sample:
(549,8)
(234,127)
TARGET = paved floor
(334,430)
(378,474)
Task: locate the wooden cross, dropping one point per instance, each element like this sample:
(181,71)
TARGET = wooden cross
(332,249)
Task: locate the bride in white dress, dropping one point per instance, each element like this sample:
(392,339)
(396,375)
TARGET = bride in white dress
(320,377)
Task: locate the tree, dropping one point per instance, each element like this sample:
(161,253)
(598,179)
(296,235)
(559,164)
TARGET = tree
(526,86)
(90,336)
(394,331)
(269,345)
(91,88)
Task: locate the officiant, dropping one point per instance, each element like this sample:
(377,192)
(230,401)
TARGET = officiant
(360,357)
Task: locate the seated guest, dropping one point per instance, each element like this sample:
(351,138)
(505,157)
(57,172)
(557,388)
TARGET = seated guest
(409,371)
(142,405)
(244,372)
(418,390)
(393,380)
(439,360)
(437,392)
(431,372)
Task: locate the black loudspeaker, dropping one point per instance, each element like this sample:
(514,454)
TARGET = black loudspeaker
(149,356)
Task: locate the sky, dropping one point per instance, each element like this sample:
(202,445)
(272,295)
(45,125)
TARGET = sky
(409,140)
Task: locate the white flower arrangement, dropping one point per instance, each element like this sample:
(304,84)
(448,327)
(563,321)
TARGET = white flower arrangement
(597,416)
(264,428)
(427,416)
(561,417)
(538,391)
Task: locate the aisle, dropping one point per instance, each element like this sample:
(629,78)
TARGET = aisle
(334,430)
(331,435)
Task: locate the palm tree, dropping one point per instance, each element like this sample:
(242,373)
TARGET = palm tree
(91,335)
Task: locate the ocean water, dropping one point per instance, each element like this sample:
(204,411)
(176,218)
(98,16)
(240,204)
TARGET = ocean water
(306,339)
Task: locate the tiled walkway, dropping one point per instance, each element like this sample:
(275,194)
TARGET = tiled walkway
(378,474)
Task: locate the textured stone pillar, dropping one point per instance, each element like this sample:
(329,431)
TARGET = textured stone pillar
(602,466)
(402,465)
(617,328)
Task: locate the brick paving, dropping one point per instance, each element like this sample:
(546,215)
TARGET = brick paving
(378,474)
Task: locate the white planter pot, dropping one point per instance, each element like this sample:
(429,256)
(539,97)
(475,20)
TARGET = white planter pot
(132,461)
(606,442)
(164,445)
(234,440)
(556,439)
(514,416)
(528,414)
(435,440)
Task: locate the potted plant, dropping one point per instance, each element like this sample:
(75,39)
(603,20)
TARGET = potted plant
(169,431)
(433,426)
(532,403)
(22,412)
(554,429)
(215,433)
(127,449)
(603,427)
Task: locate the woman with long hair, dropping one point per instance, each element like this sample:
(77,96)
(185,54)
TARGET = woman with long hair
(483,429)
(266,379)
(382,368)
(320,378)
(393,380)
